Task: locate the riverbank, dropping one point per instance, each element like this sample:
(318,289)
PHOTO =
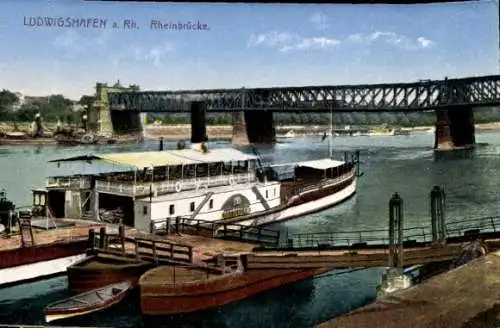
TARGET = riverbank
(225,132)
(463,298)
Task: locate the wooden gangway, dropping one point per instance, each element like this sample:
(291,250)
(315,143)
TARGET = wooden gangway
(370,248)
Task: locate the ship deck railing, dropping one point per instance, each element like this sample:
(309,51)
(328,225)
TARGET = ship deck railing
(164,187)
(69,182)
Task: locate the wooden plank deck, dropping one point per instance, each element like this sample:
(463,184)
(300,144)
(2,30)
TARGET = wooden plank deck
(78,231)
(467,297)
(205,248)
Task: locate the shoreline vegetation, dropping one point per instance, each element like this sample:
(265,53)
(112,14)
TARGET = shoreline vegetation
(225,132)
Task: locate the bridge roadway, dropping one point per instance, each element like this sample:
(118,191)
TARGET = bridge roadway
(392,97)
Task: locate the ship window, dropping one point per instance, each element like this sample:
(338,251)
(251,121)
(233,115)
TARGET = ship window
(267,194)
(145,210)
(171,209)
(211,204)
(191,206)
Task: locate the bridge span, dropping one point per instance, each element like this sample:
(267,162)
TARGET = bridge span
(453,101)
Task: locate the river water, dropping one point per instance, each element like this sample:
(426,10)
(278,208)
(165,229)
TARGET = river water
(404,164)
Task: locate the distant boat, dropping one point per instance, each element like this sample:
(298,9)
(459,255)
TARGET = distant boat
(89,302)
(289,134)
(390,132)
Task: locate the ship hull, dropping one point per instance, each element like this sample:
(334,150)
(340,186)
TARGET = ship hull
(98,271)
(37,262)
(157,300)
(321,201)
(312,202)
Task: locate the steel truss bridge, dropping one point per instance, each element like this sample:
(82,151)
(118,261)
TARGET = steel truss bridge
(394,97)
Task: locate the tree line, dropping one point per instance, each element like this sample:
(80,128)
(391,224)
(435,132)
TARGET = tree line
(481,115)
(51,108)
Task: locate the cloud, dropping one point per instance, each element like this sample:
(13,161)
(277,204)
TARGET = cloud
(286,41)
(424,42)
(320,21)
(154,55)
(73,43)
(393,39)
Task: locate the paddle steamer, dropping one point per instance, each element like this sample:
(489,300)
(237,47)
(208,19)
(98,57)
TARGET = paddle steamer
(217,185)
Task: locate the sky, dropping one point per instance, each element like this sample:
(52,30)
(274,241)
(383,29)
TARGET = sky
(242,46)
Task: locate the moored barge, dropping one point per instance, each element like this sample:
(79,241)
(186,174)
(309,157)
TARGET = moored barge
(176,290)
(100,270)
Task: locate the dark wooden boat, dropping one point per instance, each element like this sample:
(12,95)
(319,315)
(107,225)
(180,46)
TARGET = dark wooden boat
(96,271)
(169,290)
(89,302)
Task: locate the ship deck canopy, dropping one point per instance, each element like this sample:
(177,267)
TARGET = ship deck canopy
(151,159)
(321,164)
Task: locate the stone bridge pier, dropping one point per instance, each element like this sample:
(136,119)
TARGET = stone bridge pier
(198,124)
(454,128)
(104,120)
(253,127)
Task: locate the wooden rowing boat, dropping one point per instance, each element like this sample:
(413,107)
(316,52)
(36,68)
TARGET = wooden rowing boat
(88,302)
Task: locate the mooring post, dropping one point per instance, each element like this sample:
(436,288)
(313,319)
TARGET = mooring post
(391,233)
(434,198)
(102,238)
(400,226)
(441,217)
(396,223)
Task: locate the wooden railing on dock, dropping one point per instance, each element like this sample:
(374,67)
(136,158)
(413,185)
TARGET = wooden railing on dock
(147,249)
(228,231)
(463,229)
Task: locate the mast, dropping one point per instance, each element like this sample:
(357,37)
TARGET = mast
(330,138)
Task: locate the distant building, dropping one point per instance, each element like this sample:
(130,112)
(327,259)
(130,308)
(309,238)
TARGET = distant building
(29,100)
(76,107)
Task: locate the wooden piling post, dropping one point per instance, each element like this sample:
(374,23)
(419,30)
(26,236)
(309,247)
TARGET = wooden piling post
(438,215)
(121,234)
(91,240)
(102,238)
(152,227)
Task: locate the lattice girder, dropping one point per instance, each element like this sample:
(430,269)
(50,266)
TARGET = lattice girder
(399,97)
